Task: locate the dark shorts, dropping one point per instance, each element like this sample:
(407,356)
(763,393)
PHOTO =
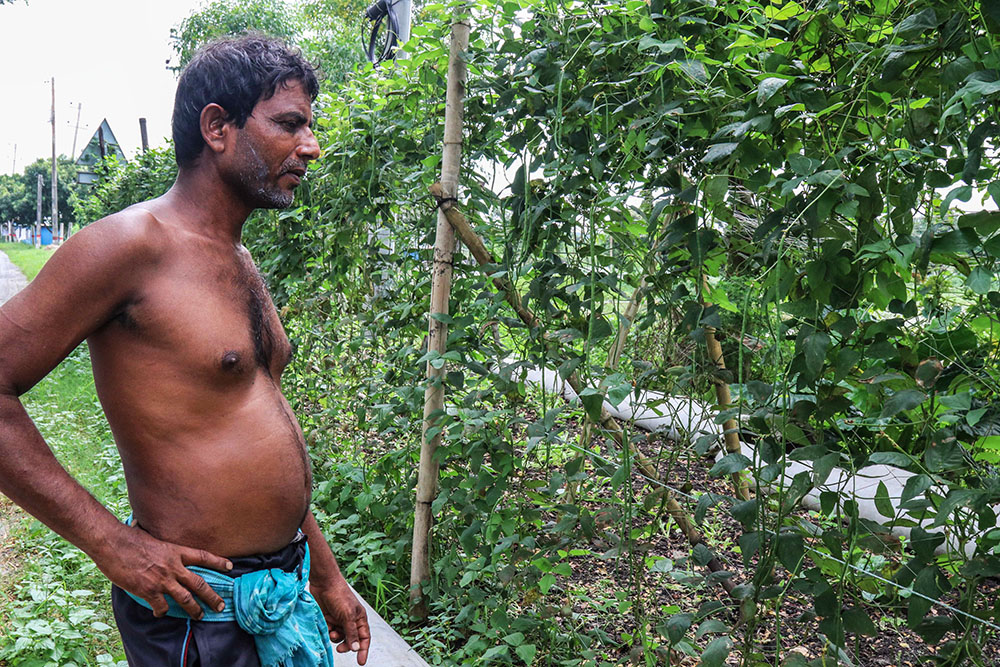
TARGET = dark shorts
(180,642)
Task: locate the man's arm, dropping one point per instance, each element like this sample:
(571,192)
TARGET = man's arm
(345,616)
(79,290)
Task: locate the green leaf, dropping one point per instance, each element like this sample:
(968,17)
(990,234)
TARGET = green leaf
(979,280)
(600,328)
(901,401)
(926,584)
(924,543)
(856,620)
(526,652)
(791,550)
(768,87)
(882,502)
(593,402)
(943,455)
(761,391)
(746,512)
(618,393)
(890,459)
(914,487)
(917,23)
(715,188)
(716,152)
(815,347)
(729,464)
(961,193)
(787,11)
(546,582)
(716,652)
(494,652)
(702,554)
(677,627)
(514,639)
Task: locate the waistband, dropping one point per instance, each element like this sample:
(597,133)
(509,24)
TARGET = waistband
(292,559)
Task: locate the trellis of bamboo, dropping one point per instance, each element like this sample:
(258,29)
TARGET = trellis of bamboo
(475,244)
(444,244)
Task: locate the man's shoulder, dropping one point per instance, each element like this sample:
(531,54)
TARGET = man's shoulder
(133,233)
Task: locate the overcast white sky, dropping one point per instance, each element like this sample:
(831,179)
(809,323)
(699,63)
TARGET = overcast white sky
(108,55)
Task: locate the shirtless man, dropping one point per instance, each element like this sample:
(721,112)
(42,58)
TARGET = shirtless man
(187,352)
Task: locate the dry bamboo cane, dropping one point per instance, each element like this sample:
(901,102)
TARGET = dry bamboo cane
(427,476)
(483,256)
(631,310)
(730,429)
(614,357)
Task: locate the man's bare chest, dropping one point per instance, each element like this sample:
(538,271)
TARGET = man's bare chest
(212,320)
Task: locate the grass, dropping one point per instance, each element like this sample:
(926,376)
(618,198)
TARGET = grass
(27,258)
(56,607)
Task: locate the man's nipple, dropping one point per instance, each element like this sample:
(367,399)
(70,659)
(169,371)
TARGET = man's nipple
(230,360)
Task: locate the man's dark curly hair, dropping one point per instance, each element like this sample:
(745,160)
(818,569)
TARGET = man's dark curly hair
(235,73)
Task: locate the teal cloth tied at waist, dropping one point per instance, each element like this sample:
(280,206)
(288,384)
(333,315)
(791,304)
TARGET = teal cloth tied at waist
(272,605)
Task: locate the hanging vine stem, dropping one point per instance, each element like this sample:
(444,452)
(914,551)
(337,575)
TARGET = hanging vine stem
(607,422)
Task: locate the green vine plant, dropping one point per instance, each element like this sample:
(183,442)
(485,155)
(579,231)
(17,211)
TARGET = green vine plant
(814,183)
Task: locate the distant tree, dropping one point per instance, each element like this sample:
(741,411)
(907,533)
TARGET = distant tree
(11,193)
(229,17)
(325,30)
(18,193)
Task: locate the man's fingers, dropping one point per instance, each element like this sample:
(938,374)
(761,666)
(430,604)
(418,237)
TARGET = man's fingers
(202,558)
(353,628)
(200,587)
(186,600)
(364,636)
(159,605)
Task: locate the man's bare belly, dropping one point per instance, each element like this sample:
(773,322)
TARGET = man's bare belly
(224,471)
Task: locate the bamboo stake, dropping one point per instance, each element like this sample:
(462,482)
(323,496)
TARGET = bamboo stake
(427,477)
(730,429)
(483,256)
(631,310)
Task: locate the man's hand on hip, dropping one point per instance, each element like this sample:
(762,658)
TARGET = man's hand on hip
(151,568)
(345,617)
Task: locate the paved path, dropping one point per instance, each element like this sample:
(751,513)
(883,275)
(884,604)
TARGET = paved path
(12,280)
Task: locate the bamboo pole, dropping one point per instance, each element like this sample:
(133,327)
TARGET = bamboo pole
(483,257)
(427,476)
(631,310)
(730,429)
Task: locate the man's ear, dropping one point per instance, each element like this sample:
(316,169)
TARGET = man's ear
(214,127)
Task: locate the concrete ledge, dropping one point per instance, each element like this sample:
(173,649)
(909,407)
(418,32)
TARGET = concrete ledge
(388,649)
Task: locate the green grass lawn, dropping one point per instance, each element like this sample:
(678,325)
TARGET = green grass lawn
(54,603)
(27,258)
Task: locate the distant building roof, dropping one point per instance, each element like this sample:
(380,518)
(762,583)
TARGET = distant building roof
(91,154)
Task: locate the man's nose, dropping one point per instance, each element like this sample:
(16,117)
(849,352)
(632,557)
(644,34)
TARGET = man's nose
(309,148)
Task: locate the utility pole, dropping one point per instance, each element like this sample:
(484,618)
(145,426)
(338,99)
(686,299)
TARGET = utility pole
(55,183)
(76,130)
(38,215)
(145,137)
(13,167)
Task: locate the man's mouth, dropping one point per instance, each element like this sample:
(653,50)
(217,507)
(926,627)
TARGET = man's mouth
(296,174)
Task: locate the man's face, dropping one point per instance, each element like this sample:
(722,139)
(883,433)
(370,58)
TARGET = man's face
(274,146)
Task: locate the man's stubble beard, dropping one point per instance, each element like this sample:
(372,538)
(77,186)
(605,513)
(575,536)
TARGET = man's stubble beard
(253,181)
